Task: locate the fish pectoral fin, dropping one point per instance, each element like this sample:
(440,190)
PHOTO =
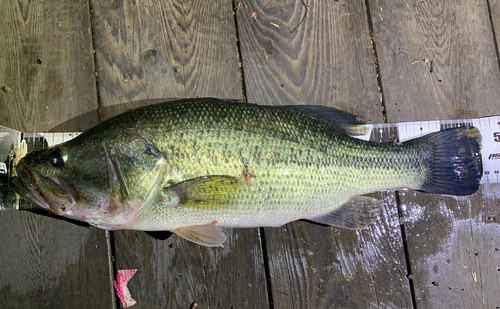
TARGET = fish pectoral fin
(207,192)
(209,235)
(344,122)
(357,213)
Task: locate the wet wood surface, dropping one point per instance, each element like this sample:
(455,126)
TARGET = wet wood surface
(383,60)
(46,60)
(440,61)
(176,49)
(327,59)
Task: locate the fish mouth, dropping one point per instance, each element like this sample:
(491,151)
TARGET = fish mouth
(27,188)
(16,184)
(49,192)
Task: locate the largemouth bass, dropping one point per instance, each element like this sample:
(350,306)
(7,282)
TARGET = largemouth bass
(195,166)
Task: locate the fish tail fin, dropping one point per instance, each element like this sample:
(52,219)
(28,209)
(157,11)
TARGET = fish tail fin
(453,161)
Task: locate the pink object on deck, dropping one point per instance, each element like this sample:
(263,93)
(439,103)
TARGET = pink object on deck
(120,284)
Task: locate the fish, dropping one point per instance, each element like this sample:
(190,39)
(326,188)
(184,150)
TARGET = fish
(195,166)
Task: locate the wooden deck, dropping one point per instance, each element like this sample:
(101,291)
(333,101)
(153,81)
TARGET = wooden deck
(72,64)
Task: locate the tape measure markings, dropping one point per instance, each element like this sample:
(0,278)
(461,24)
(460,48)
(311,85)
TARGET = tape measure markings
(387,132)
(404,131)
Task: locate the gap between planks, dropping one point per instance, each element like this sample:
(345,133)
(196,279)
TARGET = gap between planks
(488,4)
(236,10)
(384,117)
(110,248)
(110,236)
(262,235)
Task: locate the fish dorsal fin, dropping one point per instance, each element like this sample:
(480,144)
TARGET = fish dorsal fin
(345,122)
(357,213)
(209,235)
(207,192)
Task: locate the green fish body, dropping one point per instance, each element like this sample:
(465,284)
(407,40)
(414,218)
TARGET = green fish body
(195,166)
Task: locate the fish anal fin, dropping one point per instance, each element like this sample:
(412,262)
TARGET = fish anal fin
(357,213)
(209,235)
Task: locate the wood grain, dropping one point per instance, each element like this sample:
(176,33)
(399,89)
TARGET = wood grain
(46,60)
(328,60)
(48,262)
(494,10)
(315,266)
(152,51)
(437,60)
(165,49)
(179,273)
(451,241)
(236,273)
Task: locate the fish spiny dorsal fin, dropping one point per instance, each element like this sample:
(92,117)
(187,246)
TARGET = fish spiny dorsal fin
(344,122)
(357,213)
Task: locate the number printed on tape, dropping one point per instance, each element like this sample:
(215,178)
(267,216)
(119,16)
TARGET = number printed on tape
(496,137)
(3,168)
(488,126)
(395,132)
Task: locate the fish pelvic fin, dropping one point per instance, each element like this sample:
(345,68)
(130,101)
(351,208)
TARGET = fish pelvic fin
(453,163)
(357,213)
(209,235)
(207,192)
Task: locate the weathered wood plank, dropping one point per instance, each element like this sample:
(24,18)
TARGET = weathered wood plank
(452,242)
(46,59)
(495,14)
(328,60)
(444,58)
(165,49)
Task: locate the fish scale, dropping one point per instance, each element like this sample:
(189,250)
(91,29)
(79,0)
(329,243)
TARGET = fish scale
(194,166)
(314,183)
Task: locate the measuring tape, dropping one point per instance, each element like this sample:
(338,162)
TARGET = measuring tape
(403,131)
(389,132)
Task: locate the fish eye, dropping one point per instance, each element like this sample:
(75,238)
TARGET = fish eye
(58,157)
